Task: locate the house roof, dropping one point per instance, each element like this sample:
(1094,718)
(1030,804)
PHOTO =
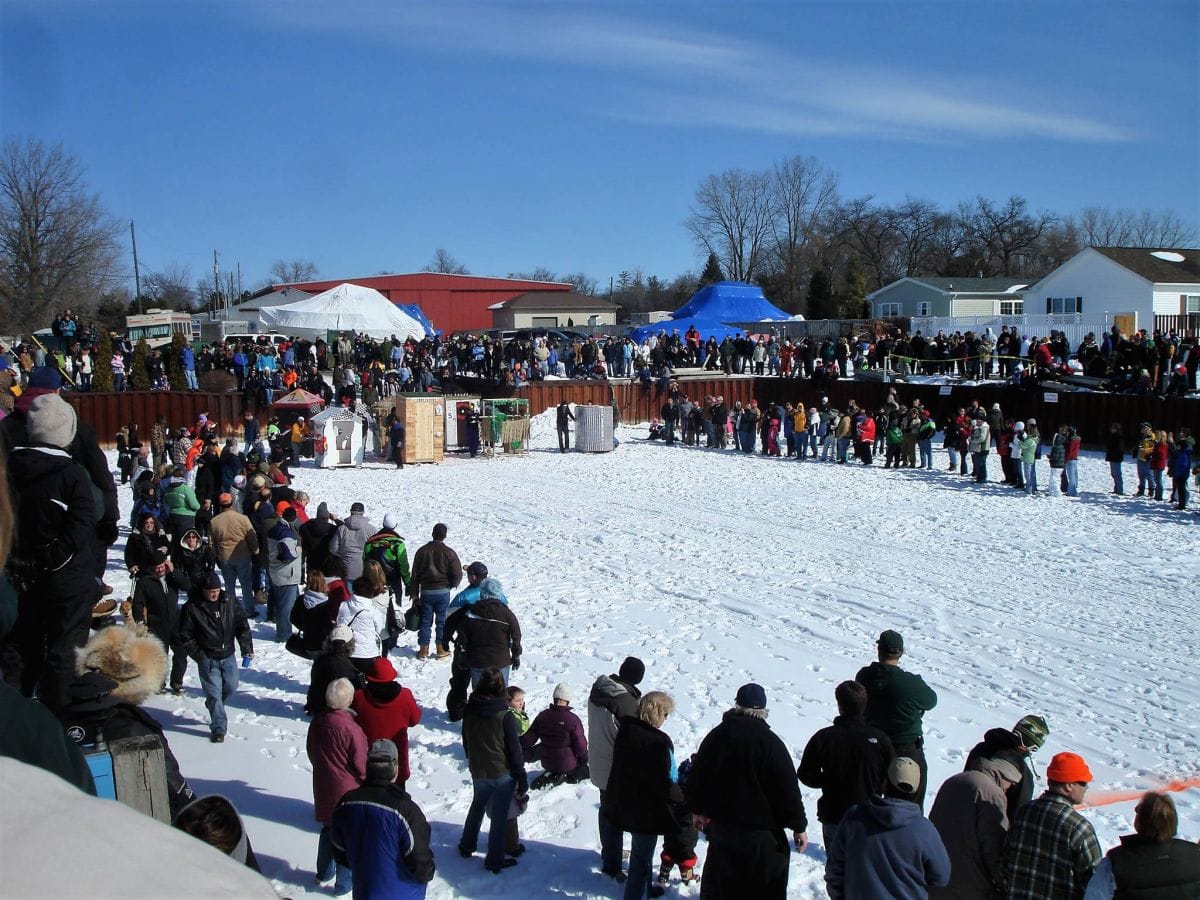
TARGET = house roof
(1158,266)
(555,300)
(1004,285)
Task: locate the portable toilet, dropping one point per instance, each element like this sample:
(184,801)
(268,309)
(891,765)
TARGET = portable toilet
(337,435)
(424,418)
(456,411)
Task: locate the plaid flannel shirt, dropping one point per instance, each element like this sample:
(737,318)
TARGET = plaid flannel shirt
(1052,851)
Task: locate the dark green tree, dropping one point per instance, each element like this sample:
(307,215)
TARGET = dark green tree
(102,373)
(854,303)
(175,363)
(821,302)
(712,271)
(138,373)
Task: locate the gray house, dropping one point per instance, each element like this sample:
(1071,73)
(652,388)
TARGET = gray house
(948,297)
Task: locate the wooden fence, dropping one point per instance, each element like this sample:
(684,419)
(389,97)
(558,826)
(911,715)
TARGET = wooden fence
(1091,413)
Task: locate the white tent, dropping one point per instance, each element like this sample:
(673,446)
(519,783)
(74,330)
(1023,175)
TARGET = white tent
(347,307)
(337,438)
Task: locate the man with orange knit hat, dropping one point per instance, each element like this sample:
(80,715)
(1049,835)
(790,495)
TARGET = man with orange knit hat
(1052,849)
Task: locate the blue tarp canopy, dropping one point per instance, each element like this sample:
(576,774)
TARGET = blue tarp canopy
(730,301)
(415,311)
(707,328)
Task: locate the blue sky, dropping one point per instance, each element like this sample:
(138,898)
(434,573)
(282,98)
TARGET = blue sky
(573,135)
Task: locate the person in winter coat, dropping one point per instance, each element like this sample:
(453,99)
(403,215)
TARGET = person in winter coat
(181,506)
(460,669)
(1143,450)
(1071,468)
(493,749)
(1025,439)
(381,834)
(208,626)
(315,535)
(563,419)
(117,670)
(436,571)
(387,709)
(1052,849)
(386,547)
(1017,746)
(896,703)
(979,445)
(349,538)
(885,849)
(333,663)
(970,814)
(215,820)
(1152,862)
(1181,470)
(491,631)
(1057,458)
(642,787)
(1114,455)
(848,761)
(337,751)
(192,560)
(555,739)
(313,617)
(1158,462)
(53,559)
(236,544)
(612,697)
(145,545)
(284,568)
(156,608)
(364,617)
(743,792)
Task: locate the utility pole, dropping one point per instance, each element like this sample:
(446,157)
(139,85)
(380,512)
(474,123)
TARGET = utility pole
(217,283)
(239,271)
(137,278)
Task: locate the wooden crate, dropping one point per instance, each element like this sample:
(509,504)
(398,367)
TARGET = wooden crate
(424,427)
(140,775)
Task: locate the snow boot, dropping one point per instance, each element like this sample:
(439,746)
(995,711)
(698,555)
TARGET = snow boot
(664,873)
(423,653)
(442,652)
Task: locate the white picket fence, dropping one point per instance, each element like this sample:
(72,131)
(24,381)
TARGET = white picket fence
(1074,326)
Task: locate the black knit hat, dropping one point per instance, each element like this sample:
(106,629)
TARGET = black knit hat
(632,671)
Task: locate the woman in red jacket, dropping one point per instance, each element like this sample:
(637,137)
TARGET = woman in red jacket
(387,709)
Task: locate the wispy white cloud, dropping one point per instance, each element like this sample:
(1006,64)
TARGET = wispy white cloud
(689,77)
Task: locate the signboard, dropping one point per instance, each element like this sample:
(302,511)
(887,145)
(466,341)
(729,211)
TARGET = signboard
(1050,397)
(944,390)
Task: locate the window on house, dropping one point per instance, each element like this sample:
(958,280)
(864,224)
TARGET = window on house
(1012,307)
(889,310)
(1058,306)
(1191,304)
(923,308)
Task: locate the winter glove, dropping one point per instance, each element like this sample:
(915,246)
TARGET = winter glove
(246,661)
(516,663)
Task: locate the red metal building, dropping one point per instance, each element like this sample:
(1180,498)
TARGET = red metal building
(451,302)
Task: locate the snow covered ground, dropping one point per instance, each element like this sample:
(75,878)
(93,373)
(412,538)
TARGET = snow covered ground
(718,569)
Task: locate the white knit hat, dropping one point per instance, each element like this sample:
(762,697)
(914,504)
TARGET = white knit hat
(562,692)
(51,421)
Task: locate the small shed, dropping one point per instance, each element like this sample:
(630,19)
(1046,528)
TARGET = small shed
(505,426)
(337,435)
(424,421)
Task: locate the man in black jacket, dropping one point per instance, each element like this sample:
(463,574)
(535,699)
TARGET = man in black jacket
(491,632)
(611,698)
(564,418)
(743,793)
(208,627)
(848,760)
(54,557)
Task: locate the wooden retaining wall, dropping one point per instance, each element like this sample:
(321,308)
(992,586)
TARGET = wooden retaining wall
(107,412)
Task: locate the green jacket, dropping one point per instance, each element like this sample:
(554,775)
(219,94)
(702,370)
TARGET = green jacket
(896,701)
(387,548)
(180,500)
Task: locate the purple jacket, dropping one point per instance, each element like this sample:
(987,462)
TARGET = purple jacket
(559,735)
(337,749)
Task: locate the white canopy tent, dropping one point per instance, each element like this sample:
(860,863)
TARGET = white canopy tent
(347,307)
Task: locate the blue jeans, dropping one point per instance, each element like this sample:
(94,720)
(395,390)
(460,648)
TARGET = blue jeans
(611,841)
(1072,472)
(189,375)
(433,612)
(1143,470)
(492,795)
(285,598)
(641,865)
(241,572)
(219,679)
(1114,466)
(980,462)
(843,447)
(925,445)
(475,673)
(1029,473)
(328,867)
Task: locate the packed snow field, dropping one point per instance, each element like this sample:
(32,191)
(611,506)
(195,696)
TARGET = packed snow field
(717,569)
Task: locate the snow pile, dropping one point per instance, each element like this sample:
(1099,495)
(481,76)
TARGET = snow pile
(718,569)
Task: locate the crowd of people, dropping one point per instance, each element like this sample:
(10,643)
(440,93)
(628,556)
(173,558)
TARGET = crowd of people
(904,435)
(238,543)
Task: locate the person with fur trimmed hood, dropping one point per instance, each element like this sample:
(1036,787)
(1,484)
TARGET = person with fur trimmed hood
(611,697)
(117,670)
(744,792)
(54,554)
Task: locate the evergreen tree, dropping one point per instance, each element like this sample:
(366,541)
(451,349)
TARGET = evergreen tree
(854,303)
(138,374)
(175,375)
(712,271)
(821,303)
(102,371)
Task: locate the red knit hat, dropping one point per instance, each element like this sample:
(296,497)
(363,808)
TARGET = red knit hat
(1068,768)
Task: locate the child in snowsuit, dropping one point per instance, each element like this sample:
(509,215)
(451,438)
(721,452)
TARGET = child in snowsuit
(516,709)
